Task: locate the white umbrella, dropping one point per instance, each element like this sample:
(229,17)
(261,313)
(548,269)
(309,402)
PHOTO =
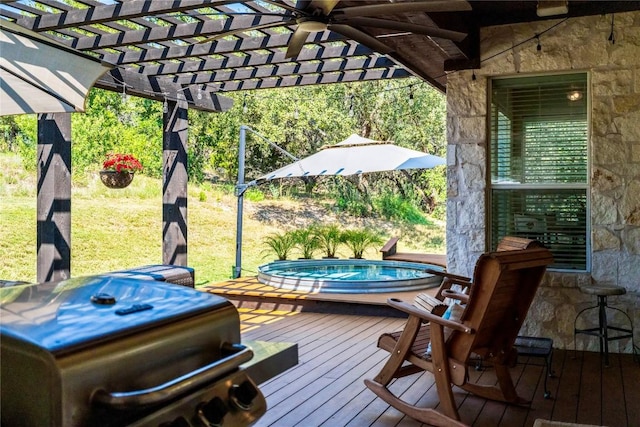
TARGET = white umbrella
(38,75)
(356,155)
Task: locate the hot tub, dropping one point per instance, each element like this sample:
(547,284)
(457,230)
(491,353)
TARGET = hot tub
(348,276)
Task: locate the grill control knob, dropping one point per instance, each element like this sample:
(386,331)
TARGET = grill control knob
(212,413)
(242,394)
(103,299)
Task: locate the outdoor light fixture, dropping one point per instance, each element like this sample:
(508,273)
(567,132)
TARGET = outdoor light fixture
(552,7)
(574,95)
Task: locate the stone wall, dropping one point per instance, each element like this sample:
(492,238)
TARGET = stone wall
(576,44)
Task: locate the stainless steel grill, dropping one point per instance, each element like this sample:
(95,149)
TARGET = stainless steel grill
(112,351)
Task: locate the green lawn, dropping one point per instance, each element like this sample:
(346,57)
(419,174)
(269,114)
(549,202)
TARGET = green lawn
(119,229)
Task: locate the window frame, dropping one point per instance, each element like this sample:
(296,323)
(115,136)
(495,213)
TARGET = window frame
(586,186)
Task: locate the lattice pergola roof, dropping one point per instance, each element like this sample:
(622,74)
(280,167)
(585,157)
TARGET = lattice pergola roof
(162,48)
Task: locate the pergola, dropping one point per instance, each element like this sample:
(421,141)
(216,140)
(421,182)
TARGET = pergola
(188,53)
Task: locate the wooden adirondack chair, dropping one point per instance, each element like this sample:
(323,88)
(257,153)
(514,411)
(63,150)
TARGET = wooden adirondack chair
(504,285)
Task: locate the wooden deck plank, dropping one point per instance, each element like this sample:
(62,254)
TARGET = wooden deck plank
(530,386)
(353,339)
(540,407)
(613,404)
(411,389)
(631,386)
(331,398)
(590,396)
(565,405)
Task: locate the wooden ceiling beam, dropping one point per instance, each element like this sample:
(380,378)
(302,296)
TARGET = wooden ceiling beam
(314,79)
(268,70)
(111,12)
(221,47)
(323,53)
(205,28)
(159,89)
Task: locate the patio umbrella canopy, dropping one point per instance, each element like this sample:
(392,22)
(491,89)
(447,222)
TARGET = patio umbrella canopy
(356,155)
(38,75)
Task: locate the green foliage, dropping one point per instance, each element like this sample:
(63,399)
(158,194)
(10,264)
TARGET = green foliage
(392,206)
(280,243)
(306,241)
(300,120)
(359,240)
(254,194)
(112,125)
(329,237)
(351,201)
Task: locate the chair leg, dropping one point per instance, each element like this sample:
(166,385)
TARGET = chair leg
(398,355)
(425,415)
(504,392)
(441,371)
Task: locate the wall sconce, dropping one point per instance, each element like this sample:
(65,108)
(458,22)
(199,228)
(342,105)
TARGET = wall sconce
(552,7)
(574,95)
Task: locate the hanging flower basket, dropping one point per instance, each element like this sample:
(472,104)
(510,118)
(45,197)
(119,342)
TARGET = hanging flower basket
(117,171)
(115,179)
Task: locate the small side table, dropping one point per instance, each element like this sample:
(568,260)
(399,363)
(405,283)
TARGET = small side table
(603,328)
(537,347)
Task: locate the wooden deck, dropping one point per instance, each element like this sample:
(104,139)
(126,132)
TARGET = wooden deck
(338,351)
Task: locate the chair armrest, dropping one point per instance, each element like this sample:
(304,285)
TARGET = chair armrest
(448,293)
(426,316)
(449,280)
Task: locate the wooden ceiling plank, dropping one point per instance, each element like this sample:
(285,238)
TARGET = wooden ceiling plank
(284,71)
(221,47)
(303,67)
(160,33)
(290,81)
(253,59)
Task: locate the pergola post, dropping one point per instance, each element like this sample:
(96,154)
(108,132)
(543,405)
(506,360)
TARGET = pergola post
(54,197)
(174,183)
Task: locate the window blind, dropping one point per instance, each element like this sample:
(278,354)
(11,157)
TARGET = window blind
(538,162)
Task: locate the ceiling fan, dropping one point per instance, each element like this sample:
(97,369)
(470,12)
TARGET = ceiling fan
(312,16)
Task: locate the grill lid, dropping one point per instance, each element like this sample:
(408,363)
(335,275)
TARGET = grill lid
(62,316)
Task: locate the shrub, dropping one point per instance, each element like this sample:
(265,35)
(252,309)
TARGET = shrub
(306,241)
(359,240)
(392,206)
(254,195)
(329,237)
(280,244)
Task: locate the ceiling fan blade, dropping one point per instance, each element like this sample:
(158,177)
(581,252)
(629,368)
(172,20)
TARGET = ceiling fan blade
(406,27)
(361,37)
(326,6)
(242,30)
(298,39)
(391,8)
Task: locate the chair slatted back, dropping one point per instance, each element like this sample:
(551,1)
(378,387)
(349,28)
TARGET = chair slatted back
(513,243)
(504,285)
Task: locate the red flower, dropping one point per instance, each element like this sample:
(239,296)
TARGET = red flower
(121,163)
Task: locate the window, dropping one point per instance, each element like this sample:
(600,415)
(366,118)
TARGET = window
(539,166)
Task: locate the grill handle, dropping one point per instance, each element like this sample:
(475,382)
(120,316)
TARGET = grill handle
(176,386)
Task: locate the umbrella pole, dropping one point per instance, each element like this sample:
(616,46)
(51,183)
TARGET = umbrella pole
(240,188)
